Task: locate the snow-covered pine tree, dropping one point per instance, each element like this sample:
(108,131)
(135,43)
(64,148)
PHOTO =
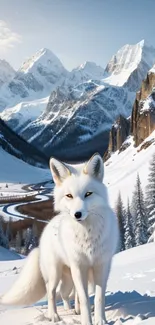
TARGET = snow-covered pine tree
(129,234)
(150,199)
(141,221)
(120,212)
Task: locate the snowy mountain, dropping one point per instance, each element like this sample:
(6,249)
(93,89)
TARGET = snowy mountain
(41,74)
(37,77)
(6,72)
(83,103)
(129,66)
(42,71)
(83,73)
(81,120)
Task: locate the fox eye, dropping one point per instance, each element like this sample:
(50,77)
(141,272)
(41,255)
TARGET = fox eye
(88,194)
(69,196)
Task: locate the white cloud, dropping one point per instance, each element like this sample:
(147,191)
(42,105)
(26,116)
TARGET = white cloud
(8,38)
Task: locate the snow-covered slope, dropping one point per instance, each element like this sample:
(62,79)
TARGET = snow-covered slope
(6,72)
(129,66)
(14,170)
(122,167)
(129,299)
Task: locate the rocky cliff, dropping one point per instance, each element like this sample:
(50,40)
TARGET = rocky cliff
(142,122)
(118,134)
(143,113)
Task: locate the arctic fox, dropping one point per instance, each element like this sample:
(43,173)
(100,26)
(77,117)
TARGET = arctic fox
(79,241)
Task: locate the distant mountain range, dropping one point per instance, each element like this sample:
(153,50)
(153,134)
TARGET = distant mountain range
(69,114)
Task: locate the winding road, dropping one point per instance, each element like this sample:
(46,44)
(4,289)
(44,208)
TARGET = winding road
(43,193)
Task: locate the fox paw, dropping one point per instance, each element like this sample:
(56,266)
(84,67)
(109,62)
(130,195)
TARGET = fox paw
(54,318)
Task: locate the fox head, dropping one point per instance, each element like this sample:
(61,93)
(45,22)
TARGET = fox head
(79,190)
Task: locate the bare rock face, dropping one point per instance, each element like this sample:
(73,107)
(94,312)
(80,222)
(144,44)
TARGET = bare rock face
(118,134)
(143,113)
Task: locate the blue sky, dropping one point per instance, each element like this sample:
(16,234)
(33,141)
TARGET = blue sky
(75,30)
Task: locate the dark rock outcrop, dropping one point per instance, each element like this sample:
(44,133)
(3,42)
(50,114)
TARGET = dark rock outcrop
(143,113)
(118,134)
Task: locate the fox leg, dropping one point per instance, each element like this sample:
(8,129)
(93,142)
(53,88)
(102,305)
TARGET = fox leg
(101,273)
(77,304)
(65,289)
(55,275)
(80,279)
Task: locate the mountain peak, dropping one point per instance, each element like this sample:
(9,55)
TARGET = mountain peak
(45,50)
(130,58)
(87,70)
(142,43)
(88,65)
(44,57)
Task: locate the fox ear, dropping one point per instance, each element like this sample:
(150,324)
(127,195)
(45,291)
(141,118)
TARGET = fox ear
(59,171)
(94,167)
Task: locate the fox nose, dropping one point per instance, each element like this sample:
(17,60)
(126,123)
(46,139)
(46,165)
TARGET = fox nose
(78,215)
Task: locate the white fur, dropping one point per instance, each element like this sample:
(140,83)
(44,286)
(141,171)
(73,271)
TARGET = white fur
(71,249)
(24,292)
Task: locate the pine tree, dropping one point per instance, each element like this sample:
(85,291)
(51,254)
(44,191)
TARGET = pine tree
(31,239)
(150,198)
(18,242)
(8,233)
(3,240)
(120,212)
(34,239)
(129,234)
(141,222)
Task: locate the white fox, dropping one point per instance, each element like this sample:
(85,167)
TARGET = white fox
(80,240)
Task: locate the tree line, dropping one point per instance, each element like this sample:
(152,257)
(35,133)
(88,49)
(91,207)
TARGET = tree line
(137,219)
